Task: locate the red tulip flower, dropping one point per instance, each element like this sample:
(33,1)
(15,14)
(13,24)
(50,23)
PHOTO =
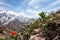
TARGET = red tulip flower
(13,33)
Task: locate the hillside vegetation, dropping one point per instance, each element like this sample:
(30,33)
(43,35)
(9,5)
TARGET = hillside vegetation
(50,23)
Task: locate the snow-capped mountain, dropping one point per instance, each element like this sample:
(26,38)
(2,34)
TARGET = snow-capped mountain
(6,17)
(11,19)
(25,20)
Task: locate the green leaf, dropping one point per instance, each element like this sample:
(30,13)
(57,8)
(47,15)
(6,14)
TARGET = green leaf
(12,38)
(42,14)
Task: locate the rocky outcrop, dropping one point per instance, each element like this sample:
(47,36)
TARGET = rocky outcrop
(39,34)
(53,28)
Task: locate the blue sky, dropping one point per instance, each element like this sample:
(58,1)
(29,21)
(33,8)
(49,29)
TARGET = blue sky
(29,8)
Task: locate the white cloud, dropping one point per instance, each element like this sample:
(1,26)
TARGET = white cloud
(54,9)
(52,5)
(33,12)
(34,4)
(22,13)
(3,8)
(5,4)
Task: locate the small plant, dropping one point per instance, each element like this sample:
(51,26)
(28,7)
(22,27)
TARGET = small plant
(42,14)
(13,35)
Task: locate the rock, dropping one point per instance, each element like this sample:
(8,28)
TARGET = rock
(33,37)
(40,34)
(43,33)
(20,37)
(2,36)
(36,37)
(37,30)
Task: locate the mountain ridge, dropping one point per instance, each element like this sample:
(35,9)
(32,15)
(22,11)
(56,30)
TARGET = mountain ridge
(13,21)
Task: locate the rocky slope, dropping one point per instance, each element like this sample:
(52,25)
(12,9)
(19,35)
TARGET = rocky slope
(11,20)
